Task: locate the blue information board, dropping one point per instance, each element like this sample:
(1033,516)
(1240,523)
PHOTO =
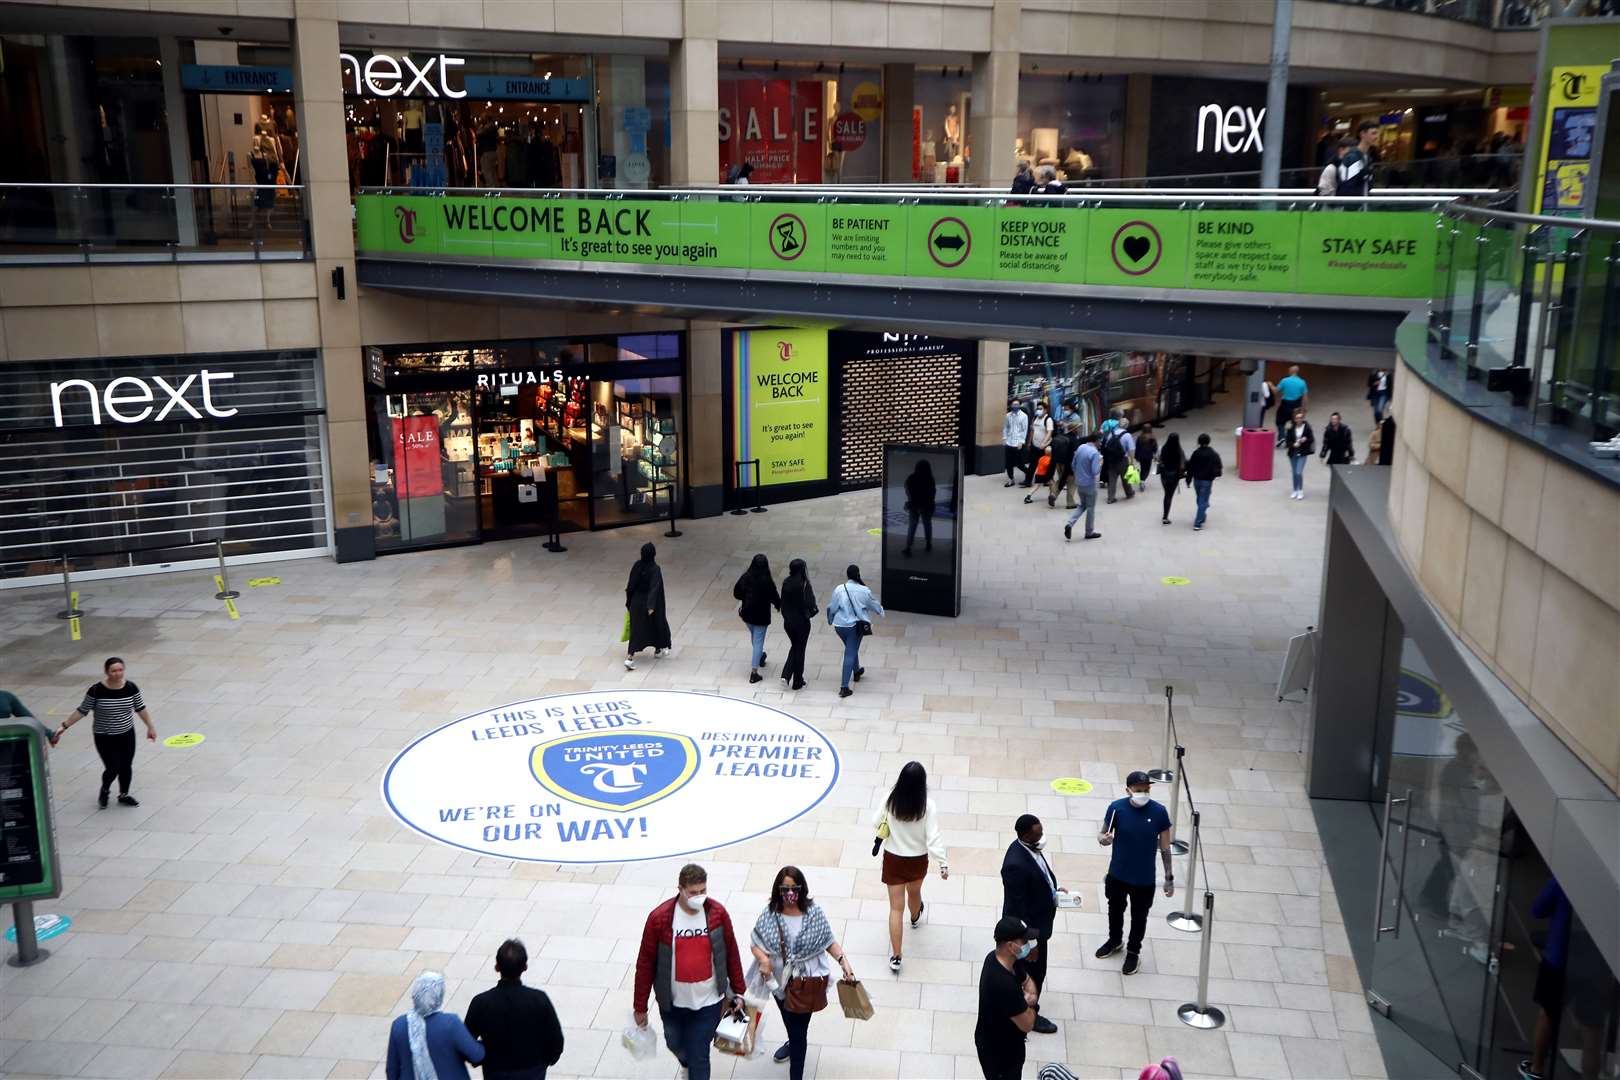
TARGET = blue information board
(234,78)
(526,88)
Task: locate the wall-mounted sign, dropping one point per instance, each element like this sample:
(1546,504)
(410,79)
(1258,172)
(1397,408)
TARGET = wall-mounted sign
(780,403)
(773,125)
(127,391)
(490,380)
(383,75)
(1232,130)
(1566,139)
(849,131)
(867,101)
(525,88)
(610,776)
(235,78)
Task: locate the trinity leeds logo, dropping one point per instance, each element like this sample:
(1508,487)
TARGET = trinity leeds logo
(407,224)
(784,351)
(1574,85)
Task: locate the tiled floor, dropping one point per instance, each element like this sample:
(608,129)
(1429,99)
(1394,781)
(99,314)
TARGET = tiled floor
(261,914)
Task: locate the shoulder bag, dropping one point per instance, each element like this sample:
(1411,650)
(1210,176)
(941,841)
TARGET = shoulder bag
(805,993)
(882,833)
(862,627)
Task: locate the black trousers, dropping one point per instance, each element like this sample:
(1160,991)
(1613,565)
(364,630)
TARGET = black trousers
(798,633)
(1035,966)
(1000,1065)
(1285,410)
(797,1026)
(1169,480)
(117,759)
(912,518)
(1013,456)
(1141,901)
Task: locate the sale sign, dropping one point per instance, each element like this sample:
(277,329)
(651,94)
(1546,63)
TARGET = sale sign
(416,456)
(775,125)
(849,131)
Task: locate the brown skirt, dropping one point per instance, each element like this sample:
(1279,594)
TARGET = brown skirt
(903,869)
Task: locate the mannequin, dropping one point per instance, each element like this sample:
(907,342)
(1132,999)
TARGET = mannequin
(413,127)
(953,133)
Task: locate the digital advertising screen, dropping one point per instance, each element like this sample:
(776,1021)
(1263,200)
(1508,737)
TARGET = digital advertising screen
(922,508)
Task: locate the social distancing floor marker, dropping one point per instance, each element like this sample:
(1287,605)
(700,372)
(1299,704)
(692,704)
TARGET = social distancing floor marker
(230,604)
(260,582)
(1173,580)
(184,739)
(74,630)
(874,532)
(1071,785)
(45,927)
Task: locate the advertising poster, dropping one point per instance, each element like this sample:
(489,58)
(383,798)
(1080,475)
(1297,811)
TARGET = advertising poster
(1566,143)
(416,456)
(1137,247)
(1041,243)
(774,125)
(921,528)
(780,396)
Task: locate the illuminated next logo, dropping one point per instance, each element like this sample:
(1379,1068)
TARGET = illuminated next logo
(127,390)
(390,76)
(1233,131)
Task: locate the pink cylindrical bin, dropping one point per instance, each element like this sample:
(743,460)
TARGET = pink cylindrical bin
(1255,453)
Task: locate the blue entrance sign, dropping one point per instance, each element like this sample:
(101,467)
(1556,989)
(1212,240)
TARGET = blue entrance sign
(526,88)
(234,78)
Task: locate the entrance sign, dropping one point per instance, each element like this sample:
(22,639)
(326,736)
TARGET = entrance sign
(1382,253)
(610,776)
(779,382)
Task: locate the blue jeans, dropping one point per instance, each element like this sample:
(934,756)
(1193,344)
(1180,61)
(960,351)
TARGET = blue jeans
(757,633)
(797,1026)
(689,1034)
(1088,507)
(1380,402)
(1201,489)
(1297,463)
(851,637)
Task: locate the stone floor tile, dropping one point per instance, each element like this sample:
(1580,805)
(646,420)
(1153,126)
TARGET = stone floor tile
(208,1065)
(131,1062)
(1259,1056)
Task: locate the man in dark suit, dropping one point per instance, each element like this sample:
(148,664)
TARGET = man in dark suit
(1029,892)
(516,1023)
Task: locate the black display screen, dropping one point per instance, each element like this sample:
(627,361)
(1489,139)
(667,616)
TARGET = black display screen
(22,855)
(922,506)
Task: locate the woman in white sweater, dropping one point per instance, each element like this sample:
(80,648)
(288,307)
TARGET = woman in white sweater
(908,823)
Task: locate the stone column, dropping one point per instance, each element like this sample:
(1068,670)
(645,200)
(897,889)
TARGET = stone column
(992,396)
(329,209)
(993,127)
(694,96)
(899,94)
(175,121)
(1138,123)
(706,420)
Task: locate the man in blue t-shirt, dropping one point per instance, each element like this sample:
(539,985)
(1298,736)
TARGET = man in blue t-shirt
(1133,827)
(1292,394)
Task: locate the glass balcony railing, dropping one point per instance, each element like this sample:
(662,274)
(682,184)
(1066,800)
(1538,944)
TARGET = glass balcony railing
(55,223)
(1530,307)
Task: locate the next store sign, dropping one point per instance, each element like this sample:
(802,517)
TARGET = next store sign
(1378,253)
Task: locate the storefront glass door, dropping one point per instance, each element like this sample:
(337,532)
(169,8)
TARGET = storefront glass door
(1434,953)
(635,455)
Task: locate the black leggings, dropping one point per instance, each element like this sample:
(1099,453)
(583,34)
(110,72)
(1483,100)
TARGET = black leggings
(798,634)
(798,1039)
(117,759)
(1169,480)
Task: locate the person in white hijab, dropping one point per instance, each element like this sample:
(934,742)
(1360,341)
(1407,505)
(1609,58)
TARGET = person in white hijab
(428,1043)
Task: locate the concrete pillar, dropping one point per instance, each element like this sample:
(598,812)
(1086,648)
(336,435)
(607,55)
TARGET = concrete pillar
(329,209)
(899,94)
(992,398)
(1138,122)
(993,127)
(706,419)
(174,113)
(694,96)
(621,80)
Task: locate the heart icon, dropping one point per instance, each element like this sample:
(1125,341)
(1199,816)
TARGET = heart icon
(1136,247)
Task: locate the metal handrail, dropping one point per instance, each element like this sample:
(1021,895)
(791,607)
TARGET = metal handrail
(1531,219)
(124,187)
(762,193)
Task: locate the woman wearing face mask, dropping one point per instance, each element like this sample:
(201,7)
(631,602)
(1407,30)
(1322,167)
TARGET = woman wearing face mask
(1133,827)
(1006,1002)
(792,941)
(798,608)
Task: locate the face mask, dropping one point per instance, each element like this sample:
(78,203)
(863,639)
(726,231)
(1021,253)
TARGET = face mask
(790,896)
(694,902)
(1025,949)
(1139,798)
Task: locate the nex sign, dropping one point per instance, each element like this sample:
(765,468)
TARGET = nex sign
(1236,130)
(385,76)
(114,398)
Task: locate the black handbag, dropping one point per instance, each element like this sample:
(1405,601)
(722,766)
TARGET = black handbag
(862,627)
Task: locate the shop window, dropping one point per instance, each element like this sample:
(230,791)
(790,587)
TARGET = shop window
(795,123)
(1074,123)
(422,484)
(635,438)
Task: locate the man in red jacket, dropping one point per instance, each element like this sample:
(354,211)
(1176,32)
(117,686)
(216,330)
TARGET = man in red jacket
(688,959)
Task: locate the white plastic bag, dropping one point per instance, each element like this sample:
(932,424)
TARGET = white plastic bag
(639,1040)
(759,988)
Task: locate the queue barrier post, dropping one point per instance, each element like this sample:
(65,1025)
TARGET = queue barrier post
(28,950)
(736,483)
(756,508)
(673,531)
(1201,1014)
(225,590)
(71,611)
(1160,776)
(1177,846)
(1188,920)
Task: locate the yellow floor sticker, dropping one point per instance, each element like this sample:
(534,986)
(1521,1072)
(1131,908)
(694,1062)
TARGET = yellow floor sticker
(1172,580)
(189,738)
(230,608)
(874,532)
(73,629)
(259,582)
(1071,785)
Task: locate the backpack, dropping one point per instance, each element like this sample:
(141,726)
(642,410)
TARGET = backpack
(1113,450)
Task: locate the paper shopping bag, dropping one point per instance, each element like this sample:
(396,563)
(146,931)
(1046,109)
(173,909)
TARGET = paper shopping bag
(855,1001)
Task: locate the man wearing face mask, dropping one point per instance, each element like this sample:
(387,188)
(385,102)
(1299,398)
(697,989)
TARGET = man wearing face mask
(1014,437)
(1040,437)
(1133,826)
(1006,1002)
(1029,892)
(688,959)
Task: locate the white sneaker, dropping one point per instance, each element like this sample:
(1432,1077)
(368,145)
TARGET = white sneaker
(659,654)
(629,664)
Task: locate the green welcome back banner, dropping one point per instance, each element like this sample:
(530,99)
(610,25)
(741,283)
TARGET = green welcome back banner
(1327,252)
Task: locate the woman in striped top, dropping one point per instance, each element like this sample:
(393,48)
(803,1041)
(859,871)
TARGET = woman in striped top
(115,702)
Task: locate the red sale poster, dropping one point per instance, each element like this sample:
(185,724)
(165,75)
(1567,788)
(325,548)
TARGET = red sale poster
(416,457)
(773,124)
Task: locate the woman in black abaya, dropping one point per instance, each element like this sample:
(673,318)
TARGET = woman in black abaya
(644,599)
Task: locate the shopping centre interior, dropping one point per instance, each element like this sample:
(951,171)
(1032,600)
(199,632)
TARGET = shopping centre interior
(352,350)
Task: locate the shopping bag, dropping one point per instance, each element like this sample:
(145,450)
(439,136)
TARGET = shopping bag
(624,635)
(639,1040)
(759,988)
(738,1033)
(1133,477)
(854,1000)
